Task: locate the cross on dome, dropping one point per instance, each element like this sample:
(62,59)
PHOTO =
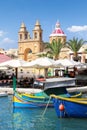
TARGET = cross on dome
(57,25)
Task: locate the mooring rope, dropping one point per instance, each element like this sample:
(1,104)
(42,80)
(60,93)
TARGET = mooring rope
(46,106)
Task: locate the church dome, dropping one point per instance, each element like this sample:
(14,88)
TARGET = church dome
(58,31)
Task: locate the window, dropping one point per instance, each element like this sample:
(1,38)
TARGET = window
(40,35)
(20,36)
(25,36)
(35,35)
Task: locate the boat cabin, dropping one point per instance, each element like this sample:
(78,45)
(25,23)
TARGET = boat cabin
(55,85)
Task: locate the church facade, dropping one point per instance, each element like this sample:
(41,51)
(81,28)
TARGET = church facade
(28,47)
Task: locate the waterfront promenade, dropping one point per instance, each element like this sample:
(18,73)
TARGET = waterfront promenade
(82,89)
(33,90)
(22,90)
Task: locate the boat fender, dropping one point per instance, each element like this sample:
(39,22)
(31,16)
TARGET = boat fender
(61,107)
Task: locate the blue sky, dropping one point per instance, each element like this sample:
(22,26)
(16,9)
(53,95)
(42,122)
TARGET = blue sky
(72,15)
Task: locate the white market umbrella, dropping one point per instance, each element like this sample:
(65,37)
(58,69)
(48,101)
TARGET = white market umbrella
(82,66)
(3,68)
(43,62)
(14,63)
(67,62)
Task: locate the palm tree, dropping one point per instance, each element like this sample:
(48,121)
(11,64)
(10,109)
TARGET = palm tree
(44,54)
(54,49)
(74,45)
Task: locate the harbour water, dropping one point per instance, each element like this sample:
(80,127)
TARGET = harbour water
(33,119)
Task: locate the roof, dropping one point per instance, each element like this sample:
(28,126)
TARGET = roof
(37,26)
(57,82)
(23,28)
(58,31)
(4,58)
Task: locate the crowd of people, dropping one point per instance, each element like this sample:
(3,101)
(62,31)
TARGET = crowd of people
(66,72)
(6,80)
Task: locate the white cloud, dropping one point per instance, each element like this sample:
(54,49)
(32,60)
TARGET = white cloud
(7,43)
(7,40)
(1,33)
(77,28)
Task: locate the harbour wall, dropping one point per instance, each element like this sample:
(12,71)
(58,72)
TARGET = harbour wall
(9,90)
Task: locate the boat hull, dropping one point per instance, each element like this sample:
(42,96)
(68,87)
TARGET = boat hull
(37,100)
(72,107)
(31,102)
(50,86)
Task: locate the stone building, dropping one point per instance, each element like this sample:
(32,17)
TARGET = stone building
(28,47)
(57,34)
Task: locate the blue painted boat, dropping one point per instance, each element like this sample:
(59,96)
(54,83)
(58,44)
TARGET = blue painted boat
(30,101)
(41,99)
(70,107)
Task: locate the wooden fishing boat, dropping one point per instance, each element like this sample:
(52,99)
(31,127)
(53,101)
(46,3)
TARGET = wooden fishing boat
(70,107)
(50,86)
(30,101)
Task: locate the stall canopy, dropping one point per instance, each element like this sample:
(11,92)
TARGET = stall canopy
(14,63)
(43,62)
(67,63)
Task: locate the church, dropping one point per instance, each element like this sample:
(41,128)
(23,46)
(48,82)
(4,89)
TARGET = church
(28,47)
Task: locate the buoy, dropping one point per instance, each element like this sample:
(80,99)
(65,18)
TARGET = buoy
(61,107)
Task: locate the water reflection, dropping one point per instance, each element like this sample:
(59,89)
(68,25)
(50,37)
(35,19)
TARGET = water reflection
(32,119)
(72,124)
(27,119)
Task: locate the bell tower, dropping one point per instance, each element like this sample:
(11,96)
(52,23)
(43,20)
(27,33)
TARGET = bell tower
(37,32)
(23,33)
(28,47)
